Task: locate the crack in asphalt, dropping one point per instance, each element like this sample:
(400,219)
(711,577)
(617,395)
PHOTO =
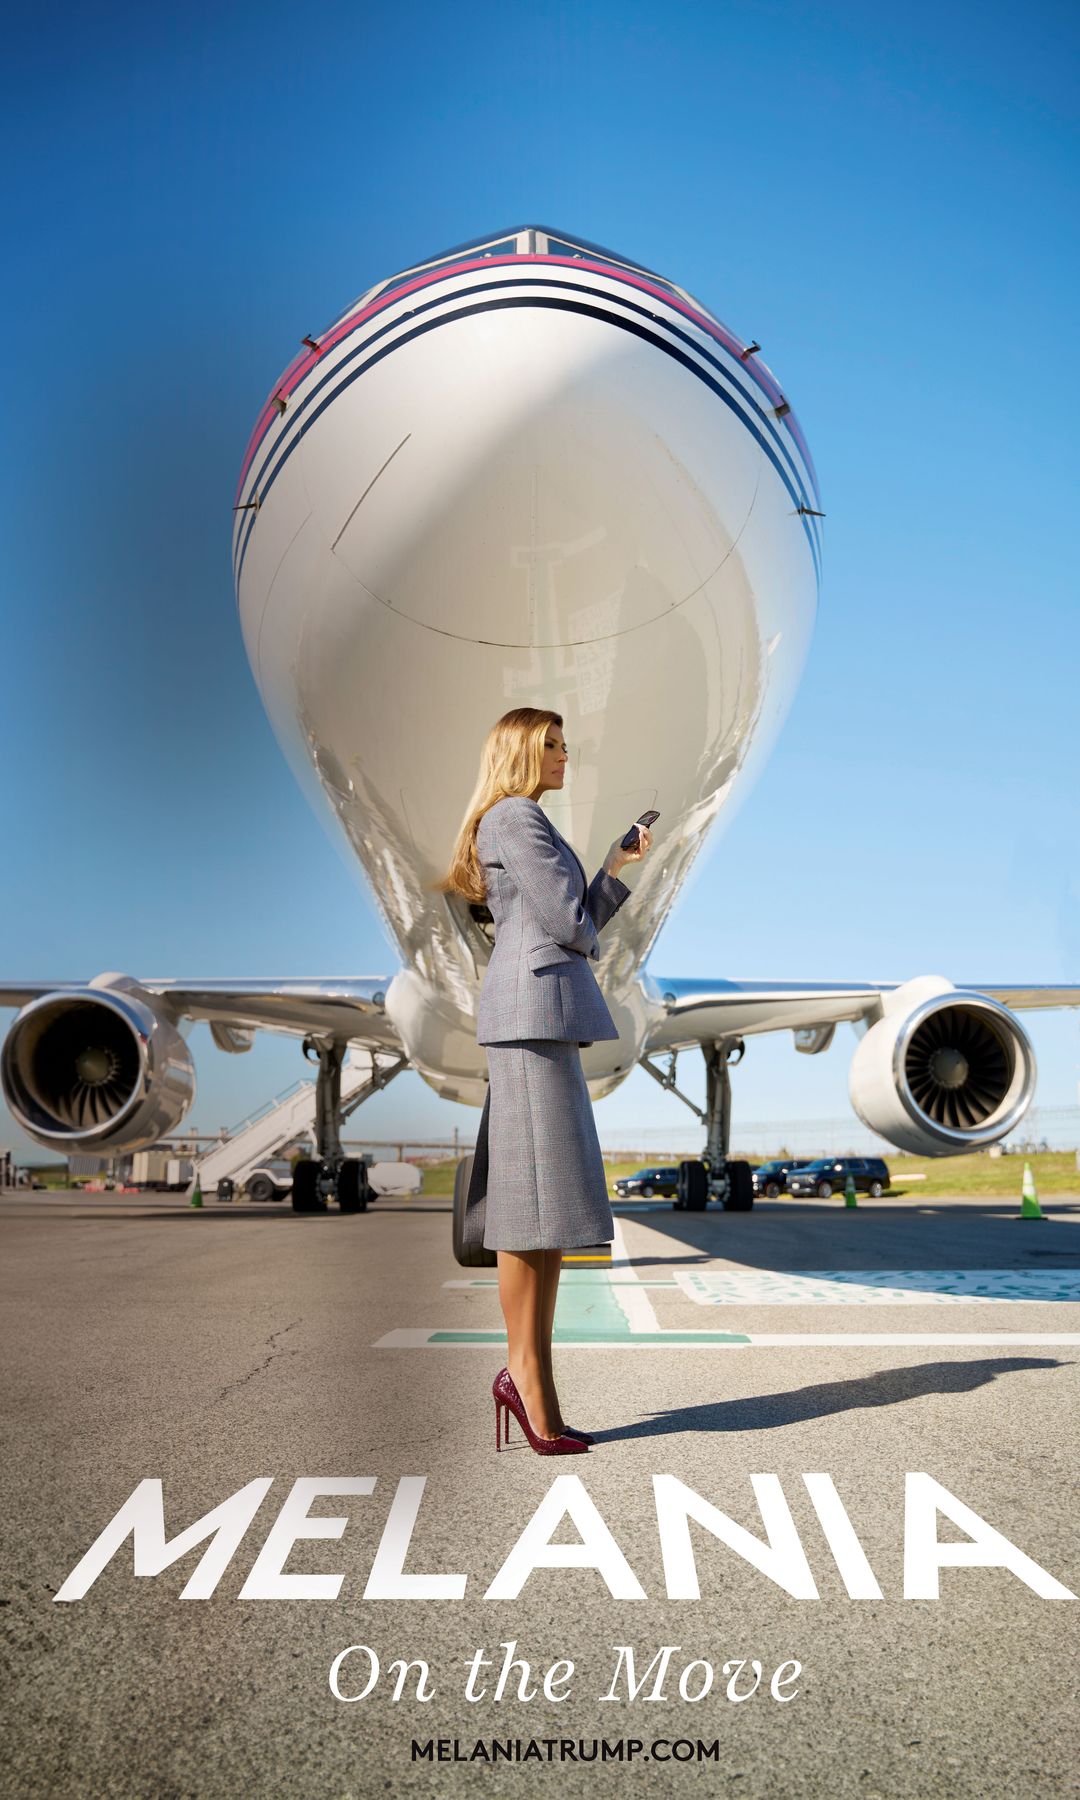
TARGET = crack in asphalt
(266,1361)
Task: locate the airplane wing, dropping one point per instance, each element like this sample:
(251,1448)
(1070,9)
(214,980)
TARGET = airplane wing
(700,1011)
(101,1064)
(696,1011)
(348,1008)
(65,1083)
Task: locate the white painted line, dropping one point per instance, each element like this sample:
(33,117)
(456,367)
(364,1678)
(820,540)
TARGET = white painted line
(410,1338)
(443,1339)
(630,1297)
(808,1339)
(415,1338)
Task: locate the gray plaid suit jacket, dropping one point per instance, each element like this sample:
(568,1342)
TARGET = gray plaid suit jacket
(539,983)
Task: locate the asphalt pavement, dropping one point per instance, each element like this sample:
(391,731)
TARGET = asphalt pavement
(147,1341)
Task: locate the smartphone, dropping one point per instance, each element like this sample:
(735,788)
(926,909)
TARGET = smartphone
(630,841)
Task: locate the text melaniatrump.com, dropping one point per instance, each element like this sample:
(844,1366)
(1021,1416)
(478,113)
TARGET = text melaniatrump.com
(520,1750)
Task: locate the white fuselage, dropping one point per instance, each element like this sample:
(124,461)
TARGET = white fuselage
(524,480)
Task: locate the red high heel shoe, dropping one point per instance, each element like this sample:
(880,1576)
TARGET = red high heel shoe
(507,1401)
(570,1431)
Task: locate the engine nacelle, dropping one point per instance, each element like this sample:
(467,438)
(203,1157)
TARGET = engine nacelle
(95,1068)
(942,1071)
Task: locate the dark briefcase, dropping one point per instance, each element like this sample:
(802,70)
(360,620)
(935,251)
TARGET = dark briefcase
(476,1201)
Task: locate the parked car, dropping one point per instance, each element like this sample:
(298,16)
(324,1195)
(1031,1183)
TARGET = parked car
(828,1175)
(647,1182)
(270,1181)
(771,1178)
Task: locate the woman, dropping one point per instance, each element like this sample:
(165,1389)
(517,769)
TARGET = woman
(540,1003)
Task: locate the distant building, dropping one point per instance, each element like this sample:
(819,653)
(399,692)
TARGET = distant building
(168,1163)
(82,1167)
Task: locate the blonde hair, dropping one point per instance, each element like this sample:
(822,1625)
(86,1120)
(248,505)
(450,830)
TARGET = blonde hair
(511,761)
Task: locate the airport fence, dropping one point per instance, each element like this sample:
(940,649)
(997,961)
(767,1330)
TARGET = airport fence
(1044,1128)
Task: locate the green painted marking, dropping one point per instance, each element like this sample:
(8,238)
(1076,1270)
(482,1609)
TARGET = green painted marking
(589,1309)
(588,1312)
(593,1336)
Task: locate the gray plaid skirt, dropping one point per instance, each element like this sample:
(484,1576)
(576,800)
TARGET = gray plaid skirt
(538,1181)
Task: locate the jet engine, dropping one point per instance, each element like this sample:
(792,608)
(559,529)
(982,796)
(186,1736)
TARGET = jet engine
(96,1068)
(942,1071)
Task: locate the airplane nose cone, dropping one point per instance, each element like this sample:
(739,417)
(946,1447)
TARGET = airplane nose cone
(558,482)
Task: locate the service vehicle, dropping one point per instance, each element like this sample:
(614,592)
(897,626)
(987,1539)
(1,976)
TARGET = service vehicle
(270,1181)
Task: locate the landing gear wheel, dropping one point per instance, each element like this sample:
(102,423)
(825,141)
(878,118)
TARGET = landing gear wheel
(306,1197)
(693,1186)
(740,1194)
(352,1186)
(470,1256)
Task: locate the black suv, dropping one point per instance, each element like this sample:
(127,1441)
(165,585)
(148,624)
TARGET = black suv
(771,1178)
(828,1175)
(648,1182)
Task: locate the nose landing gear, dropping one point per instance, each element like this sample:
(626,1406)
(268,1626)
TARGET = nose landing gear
(711,1176)
(313,1184)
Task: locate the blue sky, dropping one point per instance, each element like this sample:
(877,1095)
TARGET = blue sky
(886,199)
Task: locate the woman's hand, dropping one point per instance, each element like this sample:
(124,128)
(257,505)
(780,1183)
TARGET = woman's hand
(617,856)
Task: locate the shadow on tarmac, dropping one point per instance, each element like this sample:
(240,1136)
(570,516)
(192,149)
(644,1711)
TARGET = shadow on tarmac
(887,1387)
(788,1236)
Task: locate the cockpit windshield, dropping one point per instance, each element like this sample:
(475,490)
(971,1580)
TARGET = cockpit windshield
(530,240)
(558,246)
(501,246)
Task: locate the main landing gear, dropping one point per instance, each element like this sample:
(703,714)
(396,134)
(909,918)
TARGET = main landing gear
(330,1174)
(712,1176)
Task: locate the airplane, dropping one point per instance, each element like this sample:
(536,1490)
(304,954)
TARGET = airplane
(526,471)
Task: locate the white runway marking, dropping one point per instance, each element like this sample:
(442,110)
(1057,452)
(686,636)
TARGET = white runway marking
(628,1293)
(610,1308)
(877,1287)
(778,1341)
(425,1338)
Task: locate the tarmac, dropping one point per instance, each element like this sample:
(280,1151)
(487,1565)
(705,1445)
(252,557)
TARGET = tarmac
(211,1348)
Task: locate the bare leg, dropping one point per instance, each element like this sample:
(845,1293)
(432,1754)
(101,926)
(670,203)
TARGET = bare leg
(552,1271)
(521,1296)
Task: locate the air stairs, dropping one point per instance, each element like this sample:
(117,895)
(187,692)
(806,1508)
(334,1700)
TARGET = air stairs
(276,1123)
